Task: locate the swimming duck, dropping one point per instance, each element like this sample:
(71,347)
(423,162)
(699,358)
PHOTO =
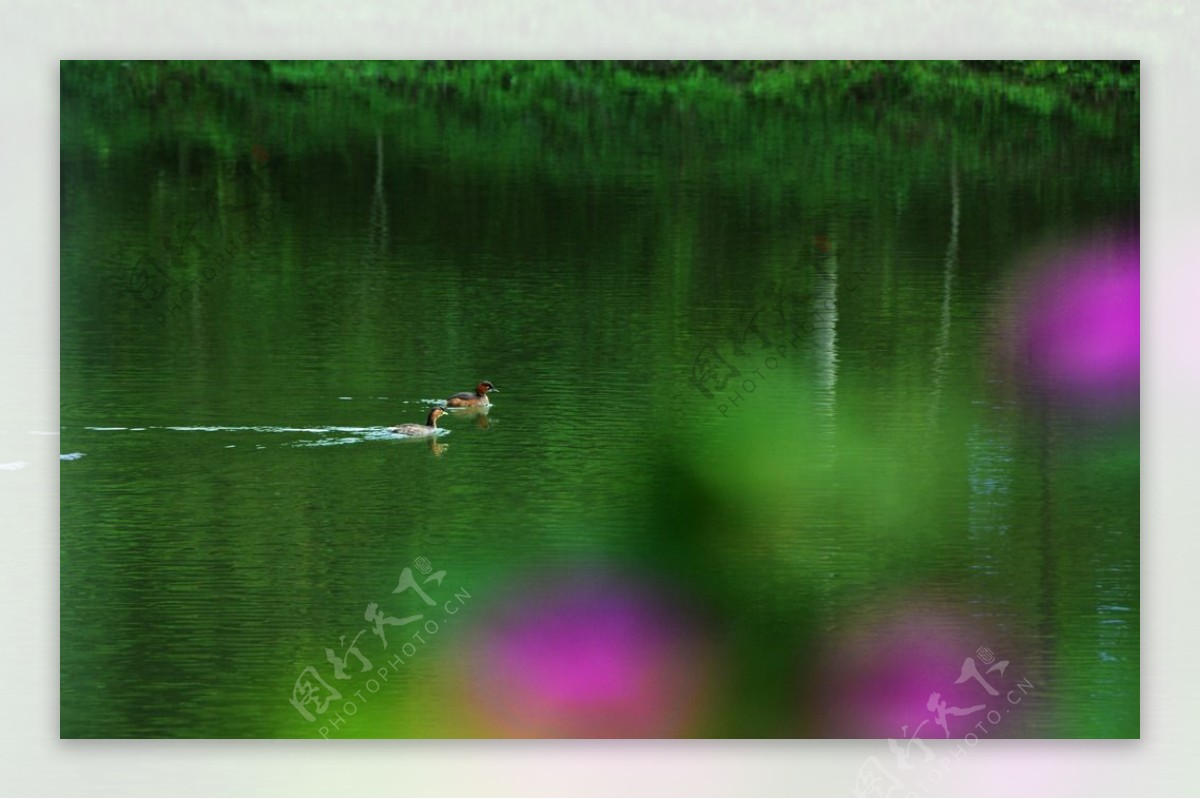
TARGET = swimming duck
(430,427)
(467,399)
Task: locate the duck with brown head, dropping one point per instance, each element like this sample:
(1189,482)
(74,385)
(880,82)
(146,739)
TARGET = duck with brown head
(472,399)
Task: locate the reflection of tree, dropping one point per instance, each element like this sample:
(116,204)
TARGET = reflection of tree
(378,225)
(825,317)
(942,347)
(1047,630)
(990,481)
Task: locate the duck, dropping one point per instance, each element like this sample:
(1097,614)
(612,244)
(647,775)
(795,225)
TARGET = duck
(430,427)
(468,399)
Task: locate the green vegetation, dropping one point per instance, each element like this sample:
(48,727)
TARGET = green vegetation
(1075,88)
(757,126)
(565,97)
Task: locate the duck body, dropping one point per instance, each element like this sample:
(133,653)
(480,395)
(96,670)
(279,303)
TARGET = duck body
(430,427)
(472,399)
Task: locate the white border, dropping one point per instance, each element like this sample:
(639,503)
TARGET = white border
(36,34)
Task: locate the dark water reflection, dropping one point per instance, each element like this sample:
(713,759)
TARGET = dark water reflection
(240,502)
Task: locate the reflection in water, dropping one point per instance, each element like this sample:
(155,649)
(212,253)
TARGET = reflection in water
(480,413)
(942,348)
(990,465)
(378,227)
(825,312)
(1047,550)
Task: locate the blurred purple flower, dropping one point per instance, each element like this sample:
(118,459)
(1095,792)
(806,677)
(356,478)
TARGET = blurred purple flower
(1076,323)
(590,657)
(878,675)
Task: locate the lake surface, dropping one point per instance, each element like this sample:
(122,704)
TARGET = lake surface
(773,529)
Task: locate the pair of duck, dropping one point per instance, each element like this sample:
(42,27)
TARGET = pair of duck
(464,399)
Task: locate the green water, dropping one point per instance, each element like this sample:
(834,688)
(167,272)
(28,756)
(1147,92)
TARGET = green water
(238,501)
